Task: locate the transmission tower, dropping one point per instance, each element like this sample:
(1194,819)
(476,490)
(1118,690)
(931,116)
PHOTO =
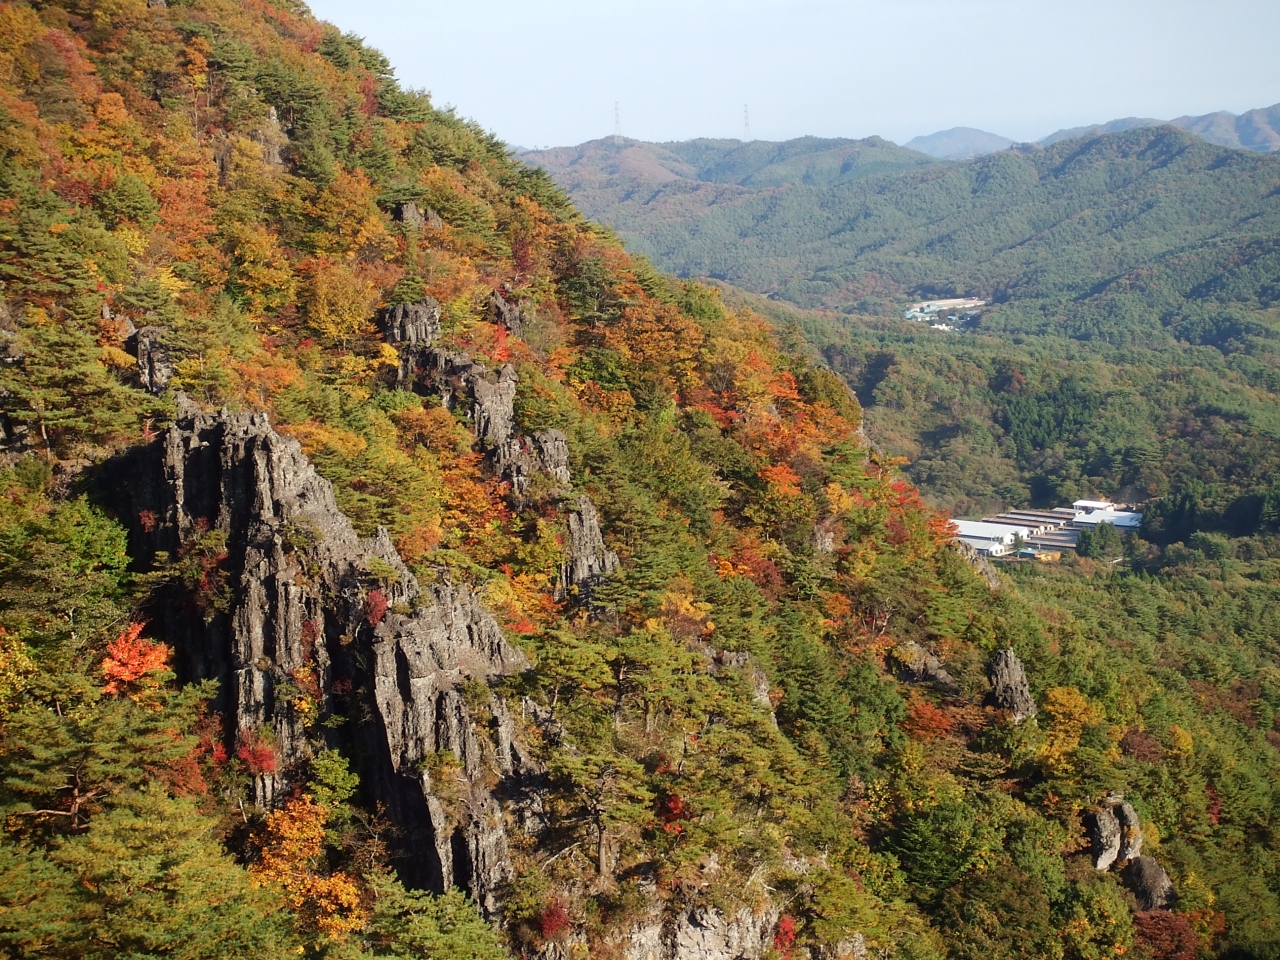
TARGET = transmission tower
(746,124)
(617,120)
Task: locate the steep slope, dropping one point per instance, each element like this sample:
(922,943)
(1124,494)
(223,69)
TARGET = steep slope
(511,565)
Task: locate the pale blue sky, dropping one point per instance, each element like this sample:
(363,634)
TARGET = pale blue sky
(548,73)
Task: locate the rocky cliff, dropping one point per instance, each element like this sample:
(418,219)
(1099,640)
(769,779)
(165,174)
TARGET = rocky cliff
(308,628)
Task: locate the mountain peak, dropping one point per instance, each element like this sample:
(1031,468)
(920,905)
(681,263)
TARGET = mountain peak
(959,143)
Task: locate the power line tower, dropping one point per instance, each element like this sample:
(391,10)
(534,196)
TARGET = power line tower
(617,120)
(746,124)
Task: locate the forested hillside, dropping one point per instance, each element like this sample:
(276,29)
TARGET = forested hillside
(1126,237)
(391,565)
(1130,348)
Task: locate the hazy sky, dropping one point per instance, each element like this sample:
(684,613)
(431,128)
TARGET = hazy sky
(548,72)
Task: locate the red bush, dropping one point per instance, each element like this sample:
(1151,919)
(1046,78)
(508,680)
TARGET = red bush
(924,721)
(784,937)
(375,607)
(1168,936)
(258,755)
(554,919)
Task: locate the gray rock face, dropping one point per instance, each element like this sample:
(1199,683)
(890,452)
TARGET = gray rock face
(270,136)
(1009,688)
(587,560)
(413,216)
(300,620)
(699,933)
(918,665)
(507,314)
(546,452)
(409,214)
(487,397)
(155,366)
(412,324)
(1130,832)
(1150,883)
(1115,832)
(1104,837)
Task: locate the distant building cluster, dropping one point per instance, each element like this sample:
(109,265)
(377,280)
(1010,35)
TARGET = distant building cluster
(948,315)
(1042,534)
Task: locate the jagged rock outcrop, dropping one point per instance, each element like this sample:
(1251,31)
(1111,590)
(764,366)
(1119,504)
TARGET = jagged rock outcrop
(587,559)
(507,314)
(301,621)
(546,452)
(411,215)
(980,564)
(1149,883)
(1115,833)
(918,665)
(1009,687)
(412,324)
(699,932)
(411,328)
(270,136)
(155,365)
(489,399)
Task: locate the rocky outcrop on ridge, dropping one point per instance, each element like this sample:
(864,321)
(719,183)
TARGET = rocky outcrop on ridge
(155,365)
(587,559)
(301,621)
(1115,835)
(1009,687)
(701,932)
(983,567)
(1115,832)
(489,399)
(506,314)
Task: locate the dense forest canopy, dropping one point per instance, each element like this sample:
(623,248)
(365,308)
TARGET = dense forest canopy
(768,708)
(1130,348)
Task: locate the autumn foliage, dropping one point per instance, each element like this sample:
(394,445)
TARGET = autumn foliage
(133,663)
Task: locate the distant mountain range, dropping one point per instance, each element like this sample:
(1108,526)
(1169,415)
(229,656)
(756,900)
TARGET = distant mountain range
(1111,235)
(1257,130)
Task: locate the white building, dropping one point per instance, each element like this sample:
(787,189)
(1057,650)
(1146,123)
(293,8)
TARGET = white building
(990,539)
(1089,506)
(1123,519)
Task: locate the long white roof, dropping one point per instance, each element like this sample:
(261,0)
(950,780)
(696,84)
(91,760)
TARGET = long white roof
(981,530)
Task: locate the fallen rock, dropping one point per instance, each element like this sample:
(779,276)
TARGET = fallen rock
(918,665)
(1009,687)
(1150,883)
